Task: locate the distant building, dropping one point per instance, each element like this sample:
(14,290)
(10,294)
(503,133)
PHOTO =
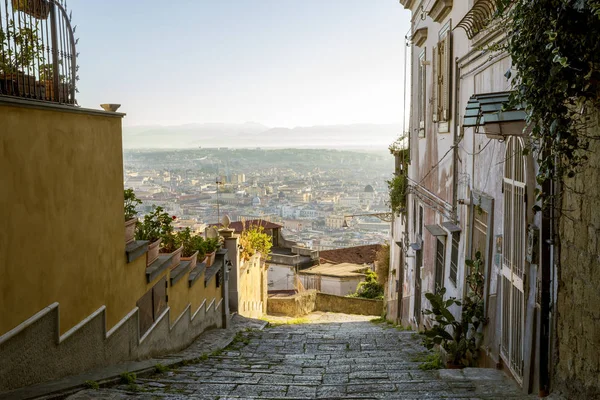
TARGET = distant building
(338,279)
(334,221)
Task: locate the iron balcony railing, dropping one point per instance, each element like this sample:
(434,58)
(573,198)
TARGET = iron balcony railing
(38,59)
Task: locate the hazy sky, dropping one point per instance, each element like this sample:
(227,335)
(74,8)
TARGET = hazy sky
(277,62)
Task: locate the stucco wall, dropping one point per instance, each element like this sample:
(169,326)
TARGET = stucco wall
(61,175)
(37,353)
(251,284)
(578,333)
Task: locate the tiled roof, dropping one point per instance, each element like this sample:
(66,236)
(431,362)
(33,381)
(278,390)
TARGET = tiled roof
(356,255)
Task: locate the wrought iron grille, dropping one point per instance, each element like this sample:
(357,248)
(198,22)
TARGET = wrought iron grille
(38,59)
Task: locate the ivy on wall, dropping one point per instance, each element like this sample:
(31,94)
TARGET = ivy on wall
(555,50)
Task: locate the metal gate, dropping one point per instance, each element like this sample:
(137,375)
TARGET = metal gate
(513,258)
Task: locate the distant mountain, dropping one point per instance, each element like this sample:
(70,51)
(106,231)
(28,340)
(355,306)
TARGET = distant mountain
(253,134)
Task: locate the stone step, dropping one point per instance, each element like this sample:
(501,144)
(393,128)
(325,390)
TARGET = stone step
(136,249)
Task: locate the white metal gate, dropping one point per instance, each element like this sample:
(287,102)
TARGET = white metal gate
(515,211)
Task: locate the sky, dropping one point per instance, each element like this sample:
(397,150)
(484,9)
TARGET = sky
(277,62)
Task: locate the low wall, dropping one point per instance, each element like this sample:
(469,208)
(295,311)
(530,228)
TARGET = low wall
(36,352)
(348,305)
(311,300)
(293,306)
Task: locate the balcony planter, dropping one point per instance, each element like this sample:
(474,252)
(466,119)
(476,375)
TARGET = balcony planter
(193,259)
(130,230)
(39,9)
(152,254)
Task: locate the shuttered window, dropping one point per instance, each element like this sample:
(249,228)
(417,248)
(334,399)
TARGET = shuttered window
(454,257)
(422,94)
(442,77)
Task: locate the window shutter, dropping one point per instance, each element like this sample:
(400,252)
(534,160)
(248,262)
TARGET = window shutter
(447,77)
(435,82)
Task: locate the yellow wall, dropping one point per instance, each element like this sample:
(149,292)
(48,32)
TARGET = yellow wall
(61,175)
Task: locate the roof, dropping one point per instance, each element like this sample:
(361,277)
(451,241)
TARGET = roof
(343,270)
(369,189)
(238,227)
(357,255)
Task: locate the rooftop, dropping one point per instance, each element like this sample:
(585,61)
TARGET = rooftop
(336,270)
(356,255)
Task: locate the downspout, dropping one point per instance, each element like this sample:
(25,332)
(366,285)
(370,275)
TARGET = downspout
(547,261)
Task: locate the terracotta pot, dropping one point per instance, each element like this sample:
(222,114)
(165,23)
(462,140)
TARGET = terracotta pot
(176,259)
(39,9)
(152,253)
(210,258)
(193,258)
(130,230)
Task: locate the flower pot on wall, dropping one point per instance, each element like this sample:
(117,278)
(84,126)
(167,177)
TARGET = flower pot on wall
(193,259)
(152,252)
(210,258)
(39,9)
(176,258)
(130,230)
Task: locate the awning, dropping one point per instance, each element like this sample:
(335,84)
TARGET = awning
(436,230)
(490,111)
(415,246)
(451,226)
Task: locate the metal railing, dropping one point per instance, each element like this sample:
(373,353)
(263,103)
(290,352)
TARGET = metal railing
(38,59)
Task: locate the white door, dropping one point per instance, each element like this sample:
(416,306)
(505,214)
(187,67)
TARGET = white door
(513,263)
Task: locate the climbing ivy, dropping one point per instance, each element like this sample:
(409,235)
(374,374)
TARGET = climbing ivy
(555,50)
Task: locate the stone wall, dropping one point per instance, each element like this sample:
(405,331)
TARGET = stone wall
(293,306)
(349,305)
(577,372)
(311,300)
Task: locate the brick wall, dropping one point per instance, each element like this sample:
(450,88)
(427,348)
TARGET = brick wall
(577,372)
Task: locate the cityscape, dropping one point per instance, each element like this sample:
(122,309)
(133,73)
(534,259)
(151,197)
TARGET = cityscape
(267,199)
(324,198)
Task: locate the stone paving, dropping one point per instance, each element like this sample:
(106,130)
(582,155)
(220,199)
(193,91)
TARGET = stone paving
(331,357)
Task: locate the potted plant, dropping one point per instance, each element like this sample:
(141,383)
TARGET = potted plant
(210,246)
(22,49)
(39,9)
(151,228)
(458,338)
(130,203)
(47,83)
(192,246)
(169,241)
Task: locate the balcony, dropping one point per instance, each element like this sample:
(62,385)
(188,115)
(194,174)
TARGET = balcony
(38,59)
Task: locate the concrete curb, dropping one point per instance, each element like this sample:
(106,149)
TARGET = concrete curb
(111,375)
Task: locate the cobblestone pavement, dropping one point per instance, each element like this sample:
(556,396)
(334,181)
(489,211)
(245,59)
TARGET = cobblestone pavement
(332,357)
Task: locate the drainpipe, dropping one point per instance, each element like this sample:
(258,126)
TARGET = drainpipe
(547,262)
(455,142)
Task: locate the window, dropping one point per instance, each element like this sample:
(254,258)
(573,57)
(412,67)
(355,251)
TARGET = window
(454,257)
(420,221)
(440,260)
(422,94)
(442,73)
